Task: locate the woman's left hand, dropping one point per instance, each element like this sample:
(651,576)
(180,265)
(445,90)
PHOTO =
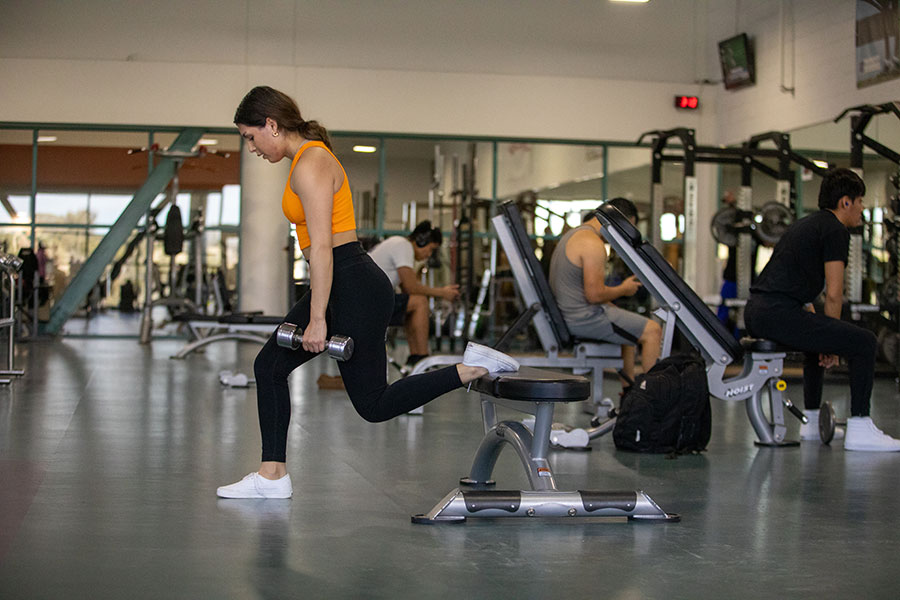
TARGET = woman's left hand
(314,336)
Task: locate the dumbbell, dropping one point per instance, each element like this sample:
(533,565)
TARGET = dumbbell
(828,423)
(339,347)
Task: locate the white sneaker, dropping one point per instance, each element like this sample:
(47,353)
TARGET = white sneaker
(255,485)
(494,361)
(810,430)
(863,435)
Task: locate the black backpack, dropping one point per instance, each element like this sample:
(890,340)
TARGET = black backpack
(667,409)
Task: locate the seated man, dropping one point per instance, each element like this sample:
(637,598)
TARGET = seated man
(577,278)
(396,256)
(811,255)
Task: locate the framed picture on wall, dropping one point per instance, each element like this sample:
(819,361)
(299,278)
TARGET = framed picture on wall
(877,33)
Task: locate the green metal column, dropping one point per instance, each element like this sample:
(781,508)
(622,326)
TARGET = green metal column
(34,167)
(118,234)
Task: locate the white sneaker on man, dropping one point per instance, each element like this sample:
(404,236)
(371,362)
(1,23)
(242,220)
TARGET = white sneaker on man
(255,485)
(494,361)
(863,435)
(810,430)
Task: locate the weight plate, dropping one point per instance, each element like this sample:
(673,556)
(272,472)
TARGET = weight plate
(775,218)
(722,226)
(284,336)
(888,345)
(826,422)
(888,296)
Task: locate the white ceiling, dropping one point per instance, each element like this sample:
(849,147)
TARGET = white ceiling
(658,41)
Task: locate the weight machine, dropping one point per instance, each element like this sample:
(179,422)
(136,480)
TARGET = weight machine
(858,142)
(465,242)
(10,266)
(889,296)
(173,237)
(735,225)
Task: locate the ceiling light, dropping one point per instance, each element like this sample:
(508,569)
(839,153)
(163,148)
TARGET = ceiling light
(821,163)
(44,139)
(366,149)
(208,141)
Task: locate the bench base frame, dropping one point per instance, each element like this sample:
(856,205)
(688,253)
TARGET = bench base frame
(459,505)
(544,499)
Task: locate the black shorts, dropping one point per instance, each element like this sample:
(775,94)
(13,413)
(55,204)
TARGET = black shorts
(398,317)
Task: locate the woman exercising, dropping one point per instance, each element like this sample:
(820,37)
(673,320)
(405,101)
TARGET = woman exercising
(349,294)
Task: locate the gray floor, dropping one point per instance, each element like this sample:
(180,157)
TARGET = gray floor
(110,454)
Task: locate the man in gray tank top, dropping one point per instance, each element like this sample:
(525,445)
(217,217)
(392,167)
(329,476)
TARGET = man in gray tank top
(577,278)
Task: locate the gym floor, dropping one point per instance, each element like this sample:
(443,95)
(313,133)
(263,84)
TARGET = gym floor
(110,454)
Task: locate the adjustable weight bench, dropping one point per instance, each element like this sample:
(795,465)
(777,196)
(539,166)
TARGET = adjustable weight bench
(561,349)
(763,360)
(535,392)
(208,329)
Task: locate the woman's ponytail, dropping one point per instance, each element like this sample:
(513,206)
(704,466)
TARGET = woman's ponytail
(313,130)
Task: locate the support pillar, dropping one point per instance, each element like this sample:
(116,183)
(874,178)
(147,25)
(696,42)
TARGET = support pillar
(264,236)
(707,271)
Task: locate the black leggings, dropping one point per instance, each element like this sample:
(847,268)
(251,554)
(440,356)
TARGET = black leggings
(360,306)
(787,323)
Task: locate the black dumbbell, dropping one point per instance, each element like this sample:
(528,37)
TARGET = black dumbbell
(828,423)
(339,347)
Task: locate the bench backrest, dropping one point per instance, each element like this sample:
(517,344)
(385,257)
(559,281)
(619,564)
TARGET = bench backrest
(697,321)
(530,279)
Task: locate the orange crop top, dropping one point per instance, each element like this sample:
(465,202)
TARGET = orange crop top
(342,217)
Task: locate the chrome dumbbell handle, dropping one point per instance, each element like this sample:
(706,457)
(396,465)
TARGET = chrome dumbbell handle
(795,411)
(339,347)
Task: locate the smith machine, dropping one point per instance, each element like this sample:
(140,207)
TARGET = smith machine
(733,226)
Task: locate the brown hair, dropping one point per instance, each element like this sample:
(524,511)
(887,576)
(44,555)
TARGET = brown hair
(262,102)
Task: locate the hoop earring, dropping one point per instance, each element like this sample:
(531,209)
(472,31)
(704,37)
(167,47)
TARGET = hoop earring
(274,134)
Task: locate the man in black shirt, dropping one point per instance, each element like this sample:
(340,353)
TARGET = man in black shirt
(811,255)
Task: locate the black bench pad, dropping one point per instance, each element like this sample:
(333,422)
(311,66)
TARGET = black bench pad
(251,319)
(189,316)
(232,319)
(532,384)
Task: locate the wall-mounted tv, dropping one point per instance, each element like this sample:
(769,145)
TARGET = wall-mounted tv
(736,58)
